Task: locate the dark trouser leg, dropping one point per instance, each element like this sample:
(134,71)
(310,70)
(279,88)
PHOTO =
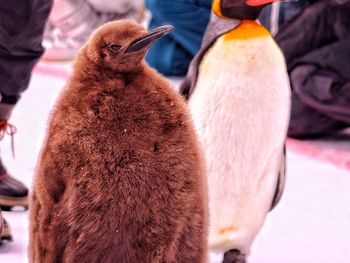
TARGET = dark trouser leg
(22,24)
(172,54)
(21,30)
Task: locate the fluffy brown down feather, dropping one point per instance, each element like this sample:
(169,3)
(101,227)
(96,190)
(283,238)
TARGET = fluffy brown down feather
(120,175)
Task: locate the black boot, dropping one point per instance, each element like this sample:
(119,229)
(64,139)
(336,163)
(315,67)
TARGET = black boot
(12,192)
(5,230)
(234,256)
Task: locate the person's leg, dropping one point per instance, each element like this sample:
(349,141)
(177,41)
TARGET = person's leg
(72,21)
(172,54)
(21,29)
(131,8)
(69,27)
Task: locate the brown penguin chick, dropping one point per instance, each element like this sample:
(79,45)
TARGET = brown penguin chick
(120,175)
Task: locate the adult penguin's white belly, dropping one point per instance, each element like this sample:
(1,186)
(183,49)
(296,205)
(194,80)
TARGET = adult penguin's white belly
(240,107)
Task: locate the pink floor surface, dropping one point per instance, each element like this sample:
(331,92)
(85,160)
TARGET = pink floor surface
(310,225)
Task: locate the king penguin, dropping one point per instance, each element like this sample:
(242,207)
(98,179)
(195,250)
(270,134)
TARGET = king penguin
(120,176)
(239,95)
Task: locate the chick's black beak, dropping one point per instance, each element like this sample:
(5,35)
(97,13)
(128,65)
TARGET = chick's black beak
(149,39)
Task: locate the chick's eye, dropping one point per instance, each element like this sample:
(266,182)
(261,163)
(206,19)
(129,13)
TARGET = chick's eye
(114,47)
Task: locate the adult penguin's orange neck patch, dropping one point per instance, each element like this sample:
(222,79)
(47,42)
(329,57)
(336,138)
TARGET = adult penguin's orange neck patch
(248,29)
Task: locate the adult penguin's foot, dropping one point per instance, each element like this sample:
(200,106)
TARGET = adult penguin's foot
(234,256)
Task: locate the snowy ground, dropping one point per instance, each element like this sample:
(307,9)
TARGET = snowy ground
(310,225)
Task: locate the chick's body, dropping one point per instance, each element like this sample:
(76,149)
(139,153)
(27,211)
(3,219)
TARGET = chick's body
(120,174)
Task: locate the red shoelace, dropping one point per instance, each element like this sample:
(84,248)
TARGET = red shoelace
(9,129)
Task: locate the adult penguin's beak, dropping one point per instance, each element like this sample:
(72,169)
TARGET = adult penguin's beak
(259,2)
(149,39)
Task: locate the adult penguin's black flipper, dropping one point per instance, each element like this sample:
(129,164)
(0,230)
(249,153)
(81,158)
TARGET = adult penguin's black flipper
(281,180)
(216,28)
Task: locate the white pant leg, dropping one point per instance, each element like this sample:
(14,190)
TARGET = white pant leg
(119,6)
